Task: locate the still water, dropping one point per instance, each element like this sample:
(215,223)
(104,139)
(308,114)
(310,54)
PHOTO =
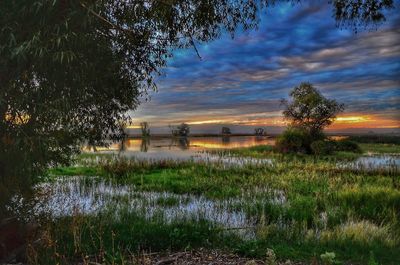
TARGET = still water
(388,162)
(89,195)
(184,144)
(184,149)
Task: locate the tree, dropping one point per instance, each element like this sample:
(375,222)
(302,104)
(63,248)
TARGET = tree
(225,131)
(259,132)
(144,126)
(310,110)
(183,130)
(70,70)
(174,131)
(309,113)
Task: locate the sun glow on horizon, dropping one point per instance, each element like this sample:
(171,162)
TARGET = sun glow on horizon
(353,119)
(349,121)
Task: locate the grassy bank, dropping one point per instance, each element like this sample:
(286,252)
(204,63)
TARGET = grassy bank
(300,207)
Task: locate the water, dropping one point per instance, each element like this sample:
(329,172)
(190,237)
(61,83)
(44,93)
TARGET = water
(186,149)
(158,144)
(91,195)
(376,162)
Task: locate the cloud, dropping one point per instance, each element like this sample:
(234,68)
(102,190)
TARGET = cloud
(362,49)
(241,80)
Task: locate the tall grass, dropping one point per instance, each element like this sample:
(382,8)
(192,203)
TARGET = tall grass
(300,206)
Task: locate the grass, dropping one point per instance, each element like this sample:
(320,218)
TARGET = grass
(106,239)
(302,206)
(259,151)
(75,171)
(376,138)
(380,148)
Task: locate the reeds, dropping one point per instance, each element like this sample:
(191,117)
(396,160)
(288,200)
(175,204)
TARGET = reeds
(299,206)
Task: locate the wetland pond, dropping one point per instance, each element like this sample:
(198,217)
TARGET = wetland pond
(186,149)
(91,195)
(68,196)
(183,144)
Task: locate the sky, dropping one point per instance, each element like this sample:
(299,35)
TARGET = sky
(239,82)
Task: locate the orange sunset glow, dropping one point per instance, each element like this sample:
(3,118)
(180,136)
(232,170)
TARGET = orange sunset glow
(348,121)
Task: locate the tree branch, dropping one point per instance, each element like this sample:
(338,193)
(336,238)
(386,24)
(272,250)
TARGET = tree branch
(194,46)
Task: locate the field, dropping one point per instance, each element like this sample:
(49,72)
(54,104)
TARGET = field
(299,209)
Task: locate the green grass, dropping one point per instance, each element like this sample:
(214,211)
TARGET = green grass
(259,151)
(111,240)
(266,151)
(377,139)
(326,208)
(75,171)
(167,202)
(380,148)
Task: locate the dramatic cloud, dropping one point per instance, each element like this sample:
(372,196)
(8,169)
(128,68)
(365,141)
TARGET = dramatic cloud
(240,81)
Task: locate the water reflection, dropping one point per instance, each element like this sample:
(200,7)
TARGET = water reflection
(226,140)
(183,143)
(88,195)
(376,163)
(144,145)
(259,138)
(157,144)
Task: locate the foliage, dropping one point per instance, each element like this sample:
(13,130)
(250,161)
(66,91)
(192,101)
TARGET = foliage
(309,113)
(347,145)
(293,140)
(376,139)
(144,126)
(328,258)
(270,258)
(225,130)
(372,260)
(71,70)
(322,147)
(310,110)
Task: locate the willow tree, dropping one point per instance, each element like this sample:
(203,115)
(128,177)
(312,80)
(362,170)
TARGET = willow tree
(310,110)
(70,70)
(309,113)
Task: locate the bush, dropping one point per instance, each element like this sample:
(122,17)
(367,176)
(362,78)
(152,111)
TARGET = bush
(347,145)
(322,147)
(375,139)
(293,140)
(225,130)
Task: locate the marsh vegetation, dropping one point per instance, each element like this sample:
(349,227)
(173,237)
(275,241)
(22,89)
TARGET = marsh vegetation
(110,208)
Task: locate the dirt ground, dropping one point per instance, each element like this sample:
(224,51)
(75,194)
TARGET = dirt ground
(202,257)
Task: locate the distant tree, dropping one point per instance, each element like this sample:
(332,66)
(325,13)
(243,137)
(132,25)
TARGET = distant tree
(259,131)
(225,131)
(183,130)
(310,110)
(174,130)
(144,126)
